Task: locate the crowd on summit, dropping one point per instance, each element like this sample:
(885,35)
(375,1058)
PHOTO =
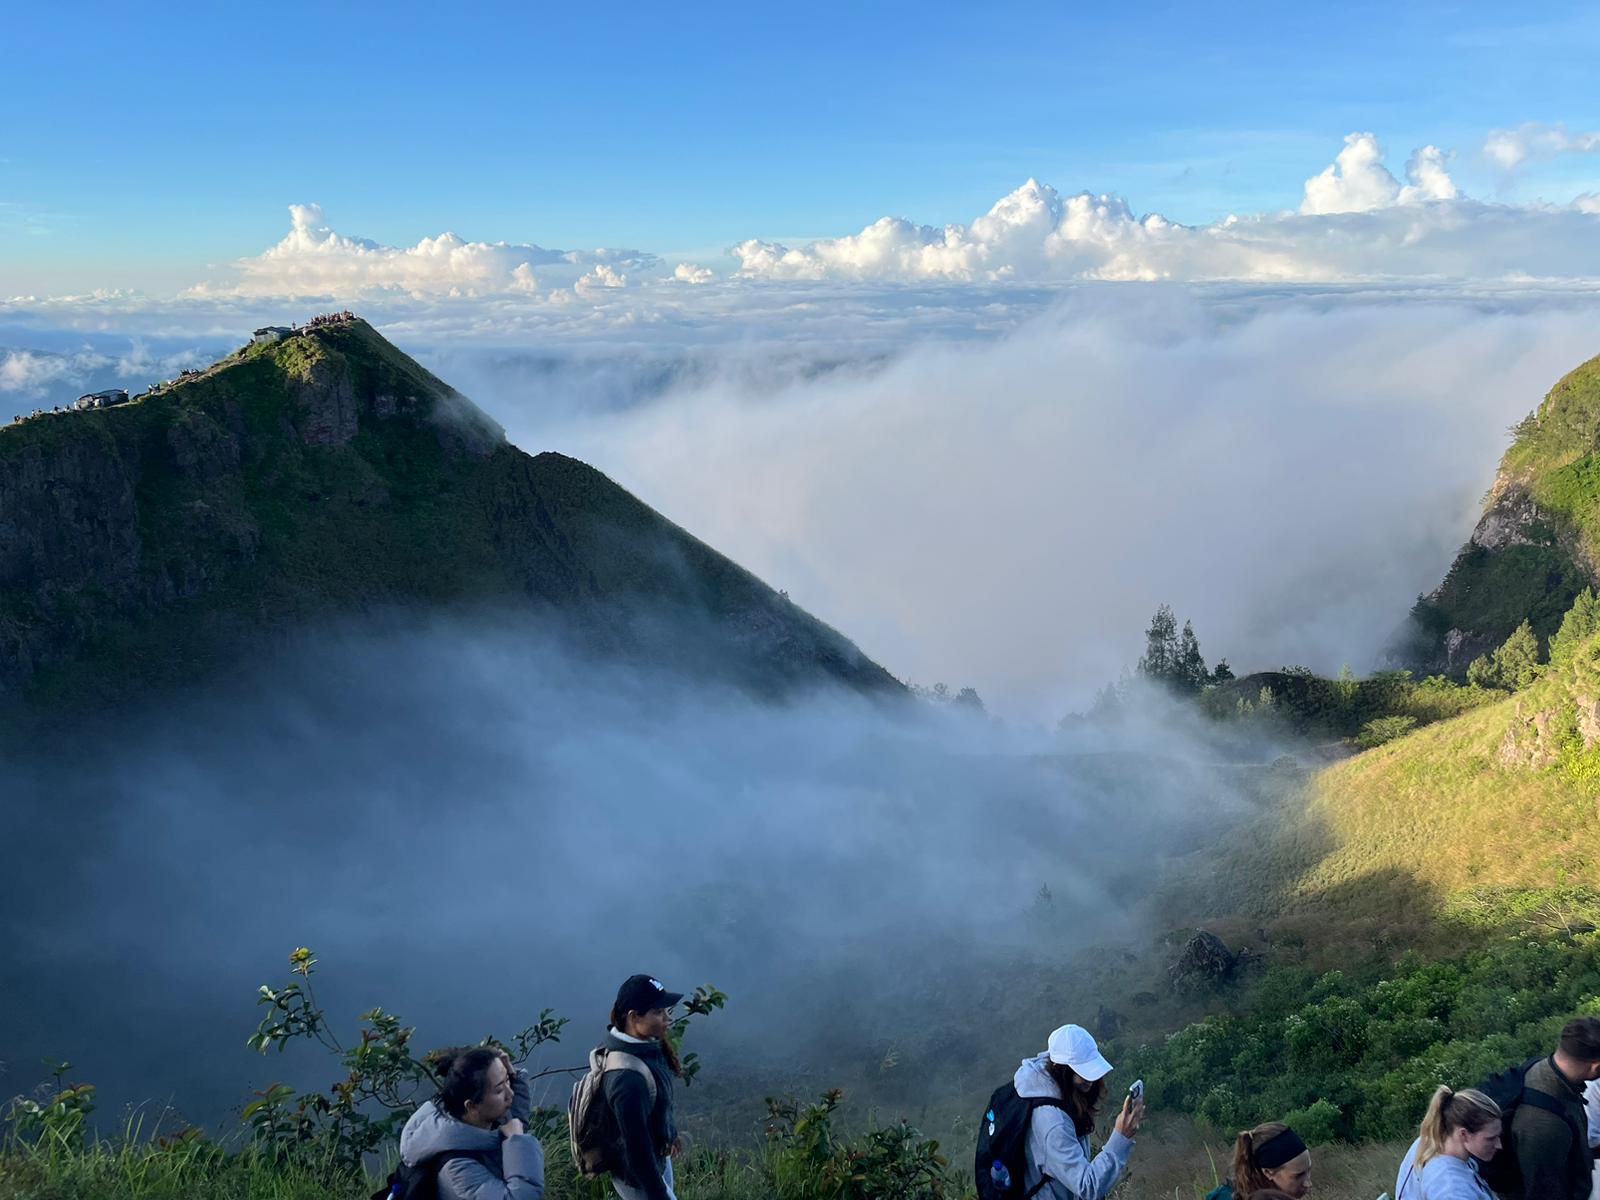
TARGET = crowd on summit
(1530,1132)
(114,396)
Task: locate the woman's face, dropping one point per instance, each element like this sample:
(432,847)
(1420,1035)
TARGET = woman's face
(1482,1145)
(1294,1177)
(651,1025)
(496,1101)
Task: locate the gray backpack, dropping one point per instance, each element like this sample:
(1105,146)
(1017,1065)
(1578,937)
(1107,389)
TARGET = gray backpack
(591,1128)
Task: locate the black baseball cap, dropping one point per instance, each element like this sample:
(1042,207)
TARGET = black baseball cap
(641,993)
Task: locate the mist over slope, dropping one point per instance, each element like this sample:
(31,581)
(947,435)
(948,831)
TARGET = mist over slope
(1289,469)
(469,823)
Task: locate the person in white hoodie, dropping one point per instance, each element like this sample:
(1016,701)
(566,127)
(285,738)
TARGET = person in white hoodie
(472,1131)
(1060,1165)
(1459,1131)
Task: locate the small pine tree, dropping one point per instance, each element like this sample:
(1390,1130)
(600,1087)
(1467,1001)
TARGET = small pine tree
(1191,675)
(1160,660)
(1517,659)
(1222,672)
(1481,672)
(1581,622)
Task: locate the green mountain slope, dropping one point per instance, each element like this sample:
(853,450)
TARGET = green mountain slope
(1471,818)
(1538,542)
(329,474)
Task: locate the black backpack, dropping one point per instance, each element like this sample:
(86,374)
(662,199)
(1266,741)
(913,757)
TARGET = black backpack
(1003,1144)
(1509,1090)
(418,1182)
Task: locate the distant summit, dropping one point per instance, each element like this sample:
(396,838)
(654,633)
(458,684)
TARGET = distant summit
(1538,543)
(319,472)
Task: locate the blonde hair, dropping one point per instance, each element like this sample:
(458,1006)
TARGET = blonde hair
(1449,1111)
(1247,1177)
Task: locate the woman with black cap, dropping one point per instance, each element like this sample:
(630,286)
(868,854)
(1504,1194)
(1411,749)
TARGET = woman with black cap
(640,1097)
(1270,1157)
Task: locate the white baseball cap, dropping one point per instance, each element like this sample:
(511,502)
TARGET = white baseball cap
(1074,1046)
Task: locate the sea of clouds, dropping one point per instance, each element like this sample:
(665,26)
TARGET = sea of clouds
(985,451)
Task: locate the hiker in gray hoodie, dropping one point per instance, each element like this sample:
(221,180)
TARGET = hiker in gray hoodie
(474,1128)
(1059,1162)
(1459,1131)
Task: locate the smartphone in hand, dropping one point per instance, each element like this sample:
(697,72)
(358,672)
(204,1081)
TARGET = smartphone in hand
(1136,1092)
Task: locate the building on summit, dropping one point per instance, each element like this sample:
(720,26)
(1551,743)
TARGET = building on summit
(101,399)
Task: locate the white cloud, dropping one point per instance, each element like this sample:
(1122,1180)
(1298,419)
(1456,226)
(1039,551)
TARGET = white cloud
(313,260)
(27,373)
(1306,464)
(692,273)
(1357,180)
(1510,148)
(600,278)
(1358,223)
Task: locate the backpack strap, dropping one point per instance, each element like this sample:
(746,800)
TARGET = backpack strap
(621,1060)
(1547,1102)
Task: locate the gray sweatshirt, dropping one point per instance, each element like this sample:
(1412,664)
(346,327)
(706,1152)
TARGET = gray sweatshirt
(1055,1149)
(1445,1177)
(504,1168)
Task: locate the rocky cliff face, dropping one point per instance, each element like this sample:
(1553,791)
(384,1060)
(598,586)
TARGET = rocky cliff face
(1534,548)
(330,474)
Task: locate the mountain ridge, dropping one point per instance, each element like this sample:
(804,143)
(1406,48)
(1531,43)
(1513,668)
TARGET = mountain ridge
(1537,544)
(326,473)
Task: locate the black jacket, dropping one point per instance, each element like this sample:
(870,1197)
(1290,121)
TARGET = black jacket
(647,1131)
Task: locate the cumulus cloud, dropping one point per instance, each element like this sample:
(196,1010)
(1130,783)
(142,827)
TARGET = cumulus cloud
(599,278)
(1510,148)
(315,260)
(1357,222)
(1357,180)
(692,273)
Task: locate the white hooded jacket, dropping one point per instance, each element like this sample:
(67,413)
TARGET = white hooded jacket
(1055,1149)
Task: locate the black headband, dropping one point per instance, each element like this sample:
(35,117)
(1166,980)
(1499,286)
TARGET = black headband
(1278,1149)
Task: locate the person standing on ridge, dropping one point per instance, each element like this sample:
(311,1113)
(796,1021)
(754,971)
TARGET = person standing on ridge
(1071,1072)
(1552,1147)
(1460,1132)
(641,1021)
(471,1135)
(1270,1157)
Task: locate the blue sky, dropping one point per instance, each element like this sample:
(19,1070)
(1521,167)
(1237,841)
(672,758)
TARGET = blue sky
(145,144)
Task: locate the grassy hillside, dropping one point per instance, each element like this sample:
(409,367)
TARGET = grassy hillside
(1489,813)
(1556,455)
(327,475)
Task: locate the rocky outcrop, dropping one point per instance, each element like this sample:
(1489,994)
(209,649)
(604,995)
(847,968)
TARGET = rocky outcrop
(1204,964)
(1510,518)
(1540,734)
(324,397)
